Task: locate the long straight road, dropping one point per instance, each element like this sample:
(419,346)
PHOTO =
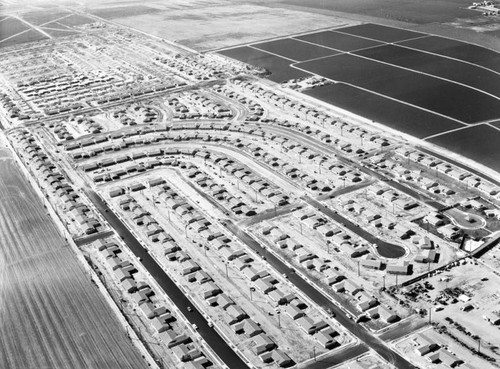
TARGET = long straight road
(221,348)
(356,329)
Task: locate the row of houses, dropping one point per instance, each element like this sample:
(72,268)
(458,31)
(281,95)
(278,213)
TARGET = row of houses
(311,114)
(363,301)
(46,171)
(153,311)
(436,354)
(254,180)
(450,170)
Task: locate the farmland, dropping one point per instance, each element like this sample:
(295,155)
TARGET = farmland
(391,113)
(458,50)
(426,92)
(43,322)
(296,50)
(10,27)
(477,143)
(26,36)
(279,67)
(381,33)
(337,40)
(454,70)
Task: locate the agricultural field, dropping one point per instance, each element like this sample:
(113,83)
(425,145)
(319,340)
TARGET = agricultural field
(338,40)
(294,49)
(458,50)
(429,93)
(421,12)
(279,67)
(478,143)
(405,118)
(457,71)
(123,11)
(10,27)
(39,18)
(49,320)
(26,36)
(381,33)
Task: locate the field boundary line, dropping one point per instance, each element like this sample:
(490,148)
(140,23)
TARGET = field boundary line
(448,57)
(8,38)
(385,96)
(426,74)
(492,126)
(33,27)
(315,44)
(446,132)
(271,53)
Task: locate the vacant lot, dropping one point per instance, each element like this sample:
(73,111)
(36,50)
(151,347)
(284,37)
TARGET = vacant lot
(10,27)
(212,26)
(52,316)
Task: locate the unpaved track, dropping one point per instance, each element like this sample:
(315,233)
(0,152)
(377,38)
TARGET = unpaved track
(51,315)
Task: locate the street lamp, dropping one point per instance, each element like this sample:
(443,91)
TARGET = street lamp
(252,289)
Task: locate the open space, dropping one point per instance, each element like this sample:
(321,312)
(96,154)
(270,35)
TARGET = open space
(337,40)
(381,33)
(43,322)
(279,67)
(456,71)
(10,27)
(478,143)
(394,114)
(296,50)
(458,50)
(432,94)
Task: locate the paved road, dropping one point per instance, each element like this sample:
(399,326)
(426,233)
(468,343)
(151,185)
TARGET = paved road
(357,330)
(221,348)
(328,150)
(385,249)
(327,361)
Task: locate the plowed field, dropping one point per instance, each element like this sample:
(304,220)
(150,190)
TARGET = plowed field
(51,314)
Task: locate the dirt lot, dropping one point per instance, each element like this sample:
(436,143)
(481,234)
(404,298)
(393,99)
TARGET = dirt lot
(43,322)
(219,25)
(468,293)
